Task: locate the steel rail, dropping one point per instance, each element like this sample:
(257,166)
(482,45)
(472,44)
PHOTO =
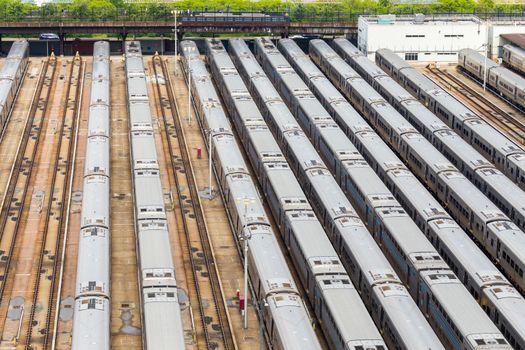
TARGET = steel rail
(489,111)
(12,206)
(65,140)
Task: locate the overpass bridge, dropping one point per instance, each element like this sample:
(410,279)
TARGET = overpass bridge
(278,25)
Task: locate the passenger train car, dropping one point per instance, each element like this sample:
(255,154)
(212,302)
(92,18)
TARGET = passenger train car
(91,325)
(474,269)
(505,194)
(514,58)
(502,80)
(162,321)
(383,295)
(439,291)
(11,76)
(286,318)
(469,206)
(507,156)
(322,274)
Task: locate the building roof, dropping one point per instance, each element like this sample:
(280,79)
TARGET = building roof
(421,19)
(515,38)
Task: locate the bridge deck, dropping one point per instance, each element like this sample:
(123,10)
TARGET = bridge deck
(125,27)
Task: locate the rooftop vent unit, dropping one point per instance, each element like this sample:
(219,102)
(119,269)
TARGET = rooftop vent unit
(419,18)
(386,19)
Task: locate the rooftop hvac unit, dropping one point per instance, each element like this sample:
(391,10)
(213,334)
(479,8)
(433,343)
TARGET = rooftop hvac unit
(386,19)
(419,18)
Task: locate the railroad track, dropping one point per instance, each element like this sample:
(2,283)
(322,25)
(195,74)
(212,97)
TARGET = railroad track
(17,187)
(125,298)
(489,111)
(46,284)
(214,318)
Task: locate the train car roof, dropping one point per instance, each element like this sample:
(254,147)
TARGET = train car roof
(462,309)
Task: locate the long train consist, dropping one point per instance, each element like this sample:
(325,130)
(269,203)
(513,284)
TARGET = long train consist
(514,58)
(276,296)
(500,189)
(91,326)
(467,204)
(507,156)
(439,292)
(322,274)
(502,80)
(387,299)
(11,76)
(478,274)
(161,311)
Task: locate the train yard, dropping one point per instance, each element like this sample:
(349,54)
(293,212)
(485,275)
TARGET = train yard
(373,205)
(507,118)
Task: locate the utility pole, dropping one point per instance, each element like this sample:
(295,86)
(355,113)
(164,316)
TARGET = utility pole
(486,57)
(189,91)
(210,151)
(485,70)
(175,38)
(245,237)
(245,309)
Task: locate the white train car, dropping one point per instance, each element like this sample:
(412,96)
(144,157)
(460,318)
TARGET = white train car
(381,295)
(11,76)
(514,58)
(163,327)
(286,319)
(432,280)
(506,155)
(310,249)
(92,315)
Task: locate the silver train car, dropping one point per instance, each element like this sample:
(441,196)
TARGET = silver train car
(386,298)
(470,207)
(504,193)
(162,321)
(506,83)
(92,315)
(506,155)
(286,319)
(430,278)
(328,286)
(479,275)
(514,58)
(11,76)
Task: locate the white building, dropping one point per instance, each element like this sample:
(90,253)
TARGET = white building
(420,38)
(502,26)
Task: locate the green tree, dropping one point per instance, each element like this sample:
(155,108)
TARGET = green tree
(486,5)
(12,10)
(458,5)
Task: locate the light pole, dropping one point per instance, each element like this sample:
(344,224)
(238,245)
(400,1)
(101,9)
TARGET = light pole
(175,37)
(210,151)
(486,56)
(245,237)
(485,70)
(189,90)
(245,309)
(486,46)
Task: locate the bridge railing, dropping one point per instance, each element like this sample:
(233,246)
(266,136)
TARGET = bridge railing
(155,12)
(58,12)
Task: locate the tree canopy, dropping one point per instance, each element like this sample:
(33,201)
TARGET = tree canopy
(15,10)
